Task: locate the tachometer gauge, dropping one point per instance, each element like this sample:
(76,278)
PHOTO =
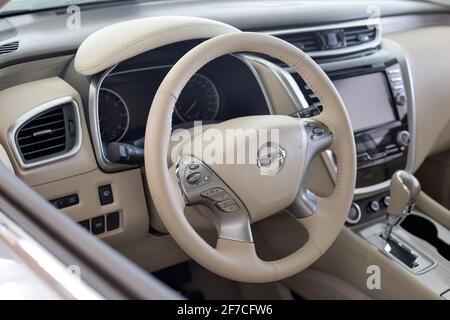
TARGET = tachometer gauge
(113,114)
(199,100)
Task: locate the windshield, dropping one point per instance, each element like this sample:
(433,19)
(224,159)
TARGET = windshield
(16,6)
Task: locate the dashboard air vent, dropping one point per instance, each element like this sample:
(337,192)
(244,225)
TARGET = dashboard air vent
(9,47)
(47,135)
(334,41)
(304,41)
(359,35)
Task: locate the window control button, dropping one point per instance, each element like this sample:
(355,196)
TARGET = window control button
(112,221)
(228,206)
(105,195)
(98,225)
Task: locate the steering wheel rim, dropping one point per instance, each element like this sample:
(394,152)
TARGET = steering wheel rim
(232,258)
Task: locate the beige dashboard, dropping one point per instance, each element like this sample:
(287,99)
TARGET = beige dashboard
(430,73)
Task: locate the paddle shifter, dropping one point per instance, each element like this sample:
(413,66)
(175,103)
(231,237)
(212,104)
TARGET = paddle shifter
(404,190)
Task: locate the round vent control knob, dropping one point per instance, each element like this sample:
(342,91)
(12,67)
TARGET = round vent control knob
(403,138)
(354,214)
(374,206)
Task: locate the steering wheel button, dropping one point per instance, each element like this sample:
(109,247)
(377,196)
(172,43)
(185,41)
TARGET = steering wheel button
(232,208)
(212,192)
(194,178)
(220,197)
(194,166)
(228,206)
(318,131)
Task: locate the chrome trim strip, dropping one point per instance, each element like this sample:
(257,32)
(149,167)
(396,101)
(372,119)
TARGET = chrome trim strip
(94,89)
(326,53)
(12,131)
(165,66)
(43,263)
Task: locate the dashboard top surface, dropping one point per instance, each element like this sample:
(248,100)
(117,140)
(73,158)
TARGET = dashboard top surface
(251,16)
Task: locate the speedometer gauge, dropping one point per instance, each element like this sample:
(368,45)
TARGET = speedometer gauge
(113,114)
(199,100)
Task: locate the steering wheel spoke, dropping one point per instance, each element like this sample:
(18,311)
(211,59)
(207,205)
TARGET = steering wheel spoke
(319,139)
(200,185)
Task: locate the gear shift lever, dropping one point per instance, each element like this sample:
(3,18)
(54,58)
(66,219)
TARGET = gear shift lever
(404,190)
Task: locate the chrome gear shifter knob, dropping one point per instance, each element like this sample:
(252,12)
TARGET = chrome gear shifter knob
(404,190)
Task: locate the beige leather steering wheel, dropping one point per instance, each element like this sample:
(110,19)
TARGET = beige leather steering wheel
(249,194)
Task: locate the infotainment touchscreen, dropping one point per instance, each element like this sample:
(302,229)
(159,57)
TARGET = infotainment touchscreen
(367,99)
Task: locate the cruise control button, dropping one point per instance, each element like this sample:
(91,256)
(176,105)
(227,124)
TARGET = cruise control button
(212,192)
(194,178)
(232,208)
(220,197)
(228,206)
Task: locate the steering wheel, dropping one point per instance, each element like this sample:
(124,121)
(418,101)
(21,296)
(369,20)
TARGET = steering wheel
(271,179)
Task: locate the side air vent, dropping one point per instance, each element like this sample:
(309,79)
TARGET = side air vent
(48,133)
(338,40)
(9,47)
